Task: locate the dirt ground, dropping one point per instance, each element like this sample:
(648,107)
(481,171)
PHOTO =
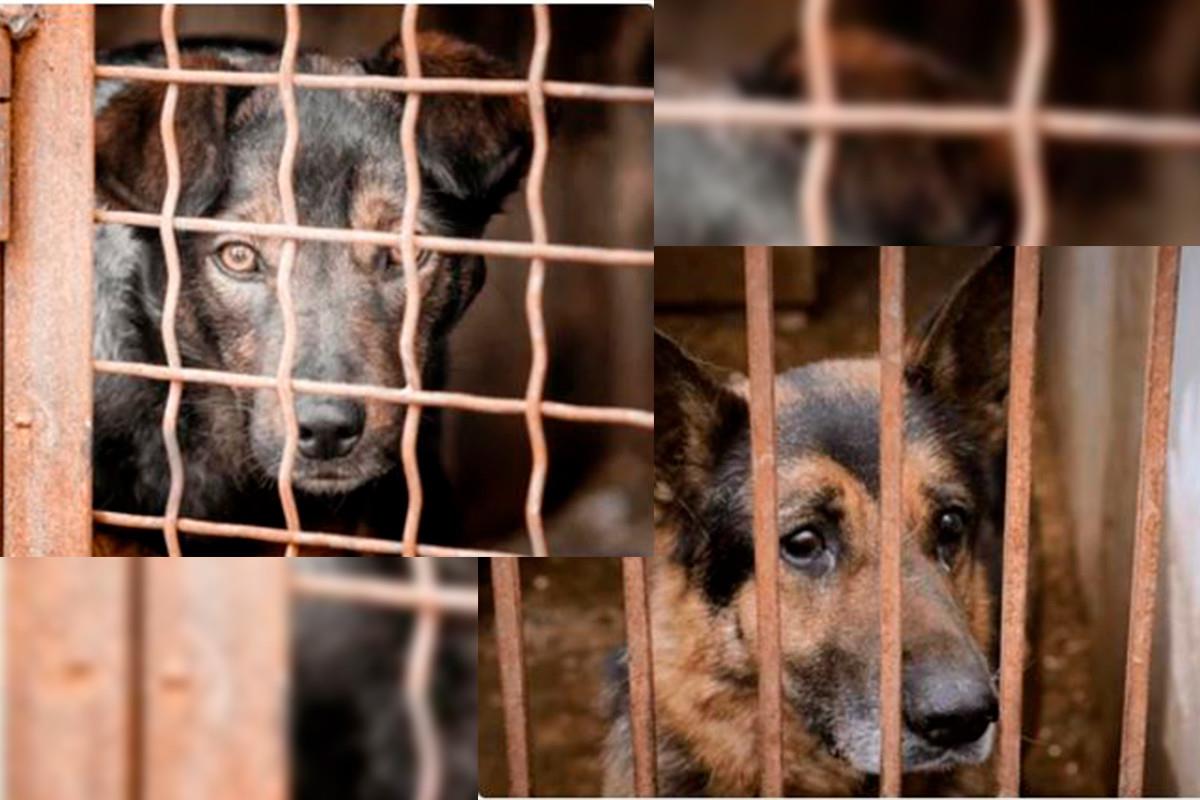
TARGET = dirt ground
(573,606)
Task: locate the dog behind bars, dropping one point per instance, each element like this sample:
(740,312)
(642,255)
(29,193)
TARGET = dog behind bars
(703,594)
(349,299)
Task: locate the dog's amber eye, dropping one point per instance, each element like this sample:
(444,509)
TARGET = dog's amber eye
(804,547)
(951,531)
(238,258)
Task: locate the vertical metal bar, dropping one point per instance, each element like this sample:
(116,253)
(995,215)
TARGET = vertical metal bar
(891,511)
(510,646)
(1027,136)
(1026,282)
(818,170)
(417,688)
(641,675)
(48,293)
(166,232)
(287,264)
(1156,412)
(760,340)
(69,717)
(215,678)
(534,186)
(412,281)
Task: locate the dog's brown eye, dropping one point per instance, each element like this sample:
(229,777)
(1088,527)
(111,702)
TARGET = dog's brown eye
(392,259)
(803,547)
(238,257)
(951,531)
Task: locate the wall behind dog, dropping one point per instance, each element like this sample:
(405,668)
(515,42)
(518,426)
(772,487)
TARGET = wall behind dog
(598,192)
(1094,326)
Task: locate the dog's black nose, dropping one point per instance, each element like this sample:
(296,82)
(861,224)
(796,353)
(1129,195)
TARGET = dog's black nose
(949,705)
(329,428)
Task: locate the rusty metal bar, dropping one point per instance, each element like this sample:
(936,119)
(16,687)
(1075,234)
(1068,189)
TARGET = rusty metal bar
(166,232)
(1156,413)
(582,254)
(412,283)
(510,646)
(385,593)
(641,675)
(6,63)
(215,666)
(891,512)
(316,539)
(535,286)
(760,339)
(1027,140)
(818,170)
(1095,127)
(466,402)
(69,719)
(565,90)
(1013,644)
(48,292)
(287,265)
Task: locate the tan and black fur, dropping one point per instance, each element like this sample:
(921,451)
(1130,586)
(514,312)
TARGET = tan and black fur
(703,599)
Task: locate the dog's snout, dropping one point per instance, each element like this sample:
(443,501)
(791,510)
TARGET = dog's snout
(329,428)
(949,705)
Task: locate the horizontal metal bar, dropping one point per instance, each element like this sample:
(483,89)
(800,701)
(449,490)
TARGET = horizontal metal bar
(339,541)
(601,415)
(942,120)
(439,244)
(385,592)
(566,90)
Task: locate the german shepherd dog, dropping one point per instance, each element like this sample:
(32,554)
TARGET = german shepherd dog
(703,598)
(349,299)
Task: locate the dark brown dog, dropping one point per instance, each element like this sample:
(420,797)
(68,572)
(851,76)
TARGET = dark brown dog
(349,299)
(703,599)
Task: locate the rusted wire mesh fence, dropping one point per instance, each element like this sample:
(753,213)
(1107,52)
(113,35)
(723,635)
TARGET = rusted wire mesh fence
(62,38)
(1013,650)
(1026,120)
(174,683)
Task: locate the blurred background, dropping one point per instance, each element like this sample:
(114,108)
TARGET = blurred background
(233,678)
(1138,58)
(598,192)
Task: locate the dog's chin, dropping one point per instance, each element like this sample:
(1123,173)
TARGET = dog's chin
(331,478)
(918,755)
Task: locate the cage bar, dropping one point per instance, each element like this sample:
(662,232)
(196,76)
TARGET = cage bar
(1029,84)
(891,511)
(422,650)
(510,647)
(214,676)
(70,721)
(641,675)
(818,171)
(48,292)
(1156,413)
(1013,643)
(760,340)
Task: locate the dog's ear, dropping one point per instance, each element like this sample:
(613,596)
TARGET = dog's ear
(474,148)
(694,416)
(131,167)
(962,352)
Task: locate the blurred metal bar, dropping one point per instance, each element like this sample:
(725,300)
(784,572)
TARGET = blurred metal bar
(818,171)
(641,675)
(386,592)
(1026,284)
(48,292)
(418,674)
(1027,138)
(1156,413)
(214,674)
(70,720)
(891,511)
(510,646)
(760,340)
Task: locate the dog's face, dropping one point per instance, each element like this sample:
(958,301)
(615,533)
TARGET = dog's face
(349,299)
(828,483)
